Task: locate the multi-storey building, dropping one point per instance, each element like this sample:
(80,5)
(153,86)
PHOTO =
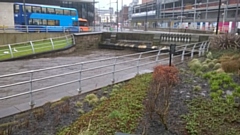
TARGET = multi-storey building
(85,8)
(201,14)
(123,14)
(130,9)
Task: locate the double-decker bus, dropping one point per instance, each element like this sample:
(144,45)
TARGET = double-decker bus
(83,23)
(43,18)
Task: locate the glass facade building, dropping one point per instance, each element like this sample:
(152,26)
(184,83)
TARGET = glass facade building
(85,9)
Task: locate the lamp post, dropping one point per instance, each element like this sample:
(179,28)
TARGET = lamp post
(25,16)
(117,15)
(146,17)
(94,15)
(219,7)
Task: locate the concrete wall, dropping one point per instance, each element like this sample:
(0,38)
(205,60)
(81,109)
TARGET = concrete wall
(10,38)
(6,14)
(87,40)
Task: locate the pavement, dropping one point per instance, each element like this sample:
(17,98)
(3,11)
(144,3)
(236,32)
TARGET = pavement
(21,103)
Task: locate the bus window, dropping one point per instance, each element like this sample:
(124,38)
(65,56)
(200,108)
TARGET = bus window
(59,11)
(53,22)
(36,9)
(73,13)
(44,10)
(28,9)
(16,9)
(67,12)
(51,10)
(44,22)
(83,23)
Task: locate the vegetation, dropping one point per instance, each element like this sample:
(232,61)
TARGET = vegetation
(218,115)
(119,113)
(158,100)
(25,49)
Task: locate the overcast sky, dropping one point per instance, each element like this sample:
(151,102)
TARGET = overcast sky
(104,4)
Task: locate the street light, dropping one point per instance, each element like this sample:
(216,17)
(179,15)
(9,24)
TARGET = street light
(219,7)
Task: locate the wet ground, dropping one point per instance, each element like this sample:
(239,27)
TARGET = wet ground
(20,103)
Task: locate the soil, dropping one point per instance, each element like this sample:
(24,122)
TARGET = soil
(48,119)
(182,93)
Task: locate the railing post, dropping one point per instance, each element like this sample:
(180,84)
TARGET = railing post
(73,38)
(31,103)
(27,29)
(66,40)
(183,53)
(31,43)
(80,79)
(157,57)
(140,56)
(10,49)
(193,49)
(114,69)
(208,44)
(204,47)
(200,50)
(52,43)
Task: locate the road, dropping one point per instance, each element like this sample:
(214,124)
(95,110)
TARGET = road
(13,105)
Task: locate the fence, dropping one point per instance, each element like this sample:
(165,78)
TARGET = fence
(87,76)
(46,29)
(11,51)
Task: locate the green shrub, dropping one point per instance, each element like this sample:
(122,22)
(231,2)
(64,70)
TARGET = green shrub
(79,104)
(195,65)
(197,88)
(211,65)
(92,99)
(207,61)
(103,98)
(204,67)
(80,111)
(215,61)
(199,73)
(209,55)
(217,66)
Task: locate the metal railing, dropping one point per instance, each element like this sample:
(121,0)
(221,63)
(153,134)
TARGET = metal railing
(33,47)
(84,74)
(38,28)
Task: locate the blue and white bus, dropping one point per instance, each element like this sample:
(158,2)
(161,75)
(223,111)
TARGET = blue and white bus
(43,18)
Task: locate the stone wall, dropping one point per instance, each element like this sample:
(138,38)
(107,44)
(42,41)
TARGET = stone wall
(87,40)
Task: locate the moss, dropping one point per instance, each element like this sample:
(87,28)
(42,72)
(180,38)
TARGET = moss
(199,73)
(195,65)
(5,125)
(58,103)
(65,98)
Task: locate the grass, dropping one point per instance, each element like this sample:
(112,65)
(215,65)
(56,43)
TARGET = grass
(25,49)
(119,113)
